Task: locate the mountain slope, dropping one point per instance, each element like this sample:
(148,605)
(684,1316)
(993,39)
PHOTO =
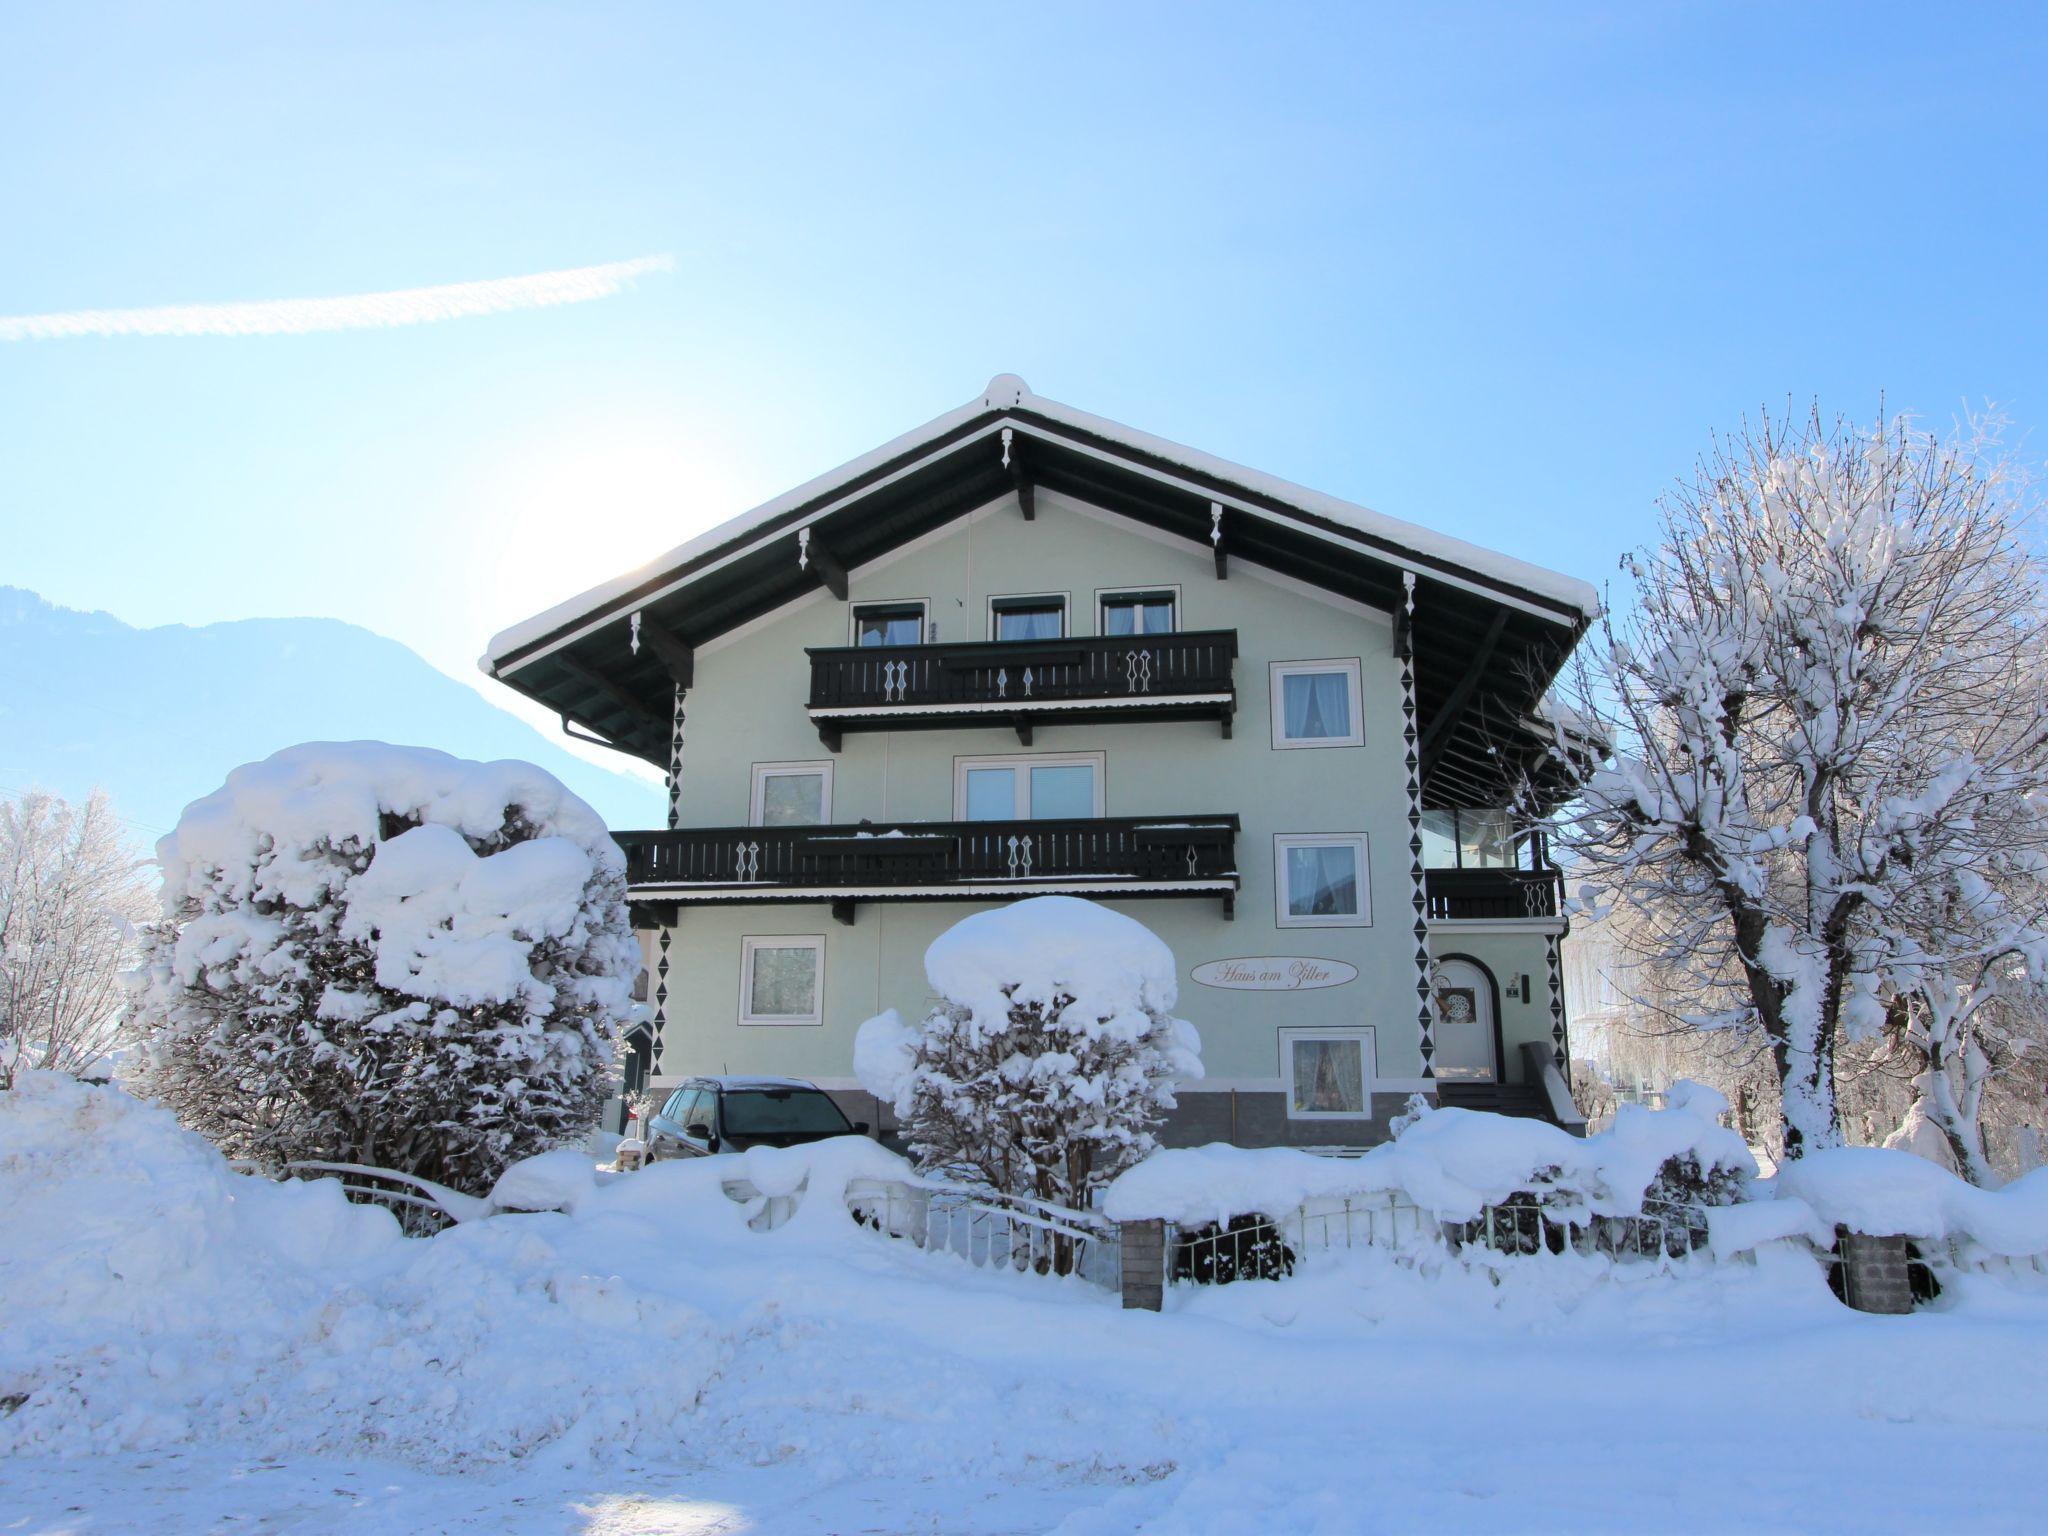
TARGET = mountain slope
(157,717)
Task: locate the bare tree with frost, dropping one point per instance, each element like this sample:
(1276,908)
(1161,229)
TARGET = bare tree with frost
(71,894)
(389,956)
(1824,704)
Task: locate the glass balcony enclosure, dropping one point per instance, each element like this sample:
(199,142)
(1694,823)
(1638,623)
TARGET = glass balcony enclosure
(1480,839)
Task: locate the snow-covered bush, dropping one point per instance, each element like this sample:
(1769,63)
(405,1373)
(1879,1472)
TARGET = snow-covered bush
(387,955)
(1052,1056)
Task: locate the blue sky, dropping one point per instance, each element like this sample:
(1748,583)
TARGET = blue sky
(1499,270)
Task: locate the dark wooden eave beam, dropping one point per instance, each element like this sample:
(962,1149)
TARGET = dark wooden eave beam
(680,659)
(1020,478)
(599,683)
(830,568)
(1437,734)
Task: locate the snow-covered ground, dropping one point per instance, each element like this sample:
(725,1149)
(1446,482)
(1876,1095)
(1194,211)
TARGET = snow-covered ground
(207,1352)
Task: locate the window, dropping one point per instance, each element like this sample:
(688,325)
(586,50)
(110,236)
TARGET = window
(1322,881)
(781,979)
(1329,1073)
(694,1110)
(781,1112)
(791,795)
(1027,788)
(1137,613)
(1472,840)
(1316,704)
(1042,616)
(888,623)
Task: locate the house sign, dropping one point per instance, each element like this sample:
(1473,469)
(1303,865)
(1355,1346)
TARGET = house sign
(1274,973)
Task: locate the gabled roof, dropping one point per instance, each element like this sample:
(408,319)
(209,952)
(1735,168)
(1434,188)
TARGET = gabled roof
(1490,630)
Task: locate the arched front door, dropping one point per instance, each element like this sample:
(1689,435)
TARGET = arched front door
(1461,994)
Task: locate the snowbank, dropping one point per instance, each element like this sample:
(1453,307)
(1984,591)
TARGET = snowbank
(155,1298)
(1450,1162)
(1887,1192)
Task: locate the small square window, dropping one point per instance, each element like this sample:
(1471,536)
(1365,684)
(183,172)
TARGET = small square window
(1316,704)
(1329,1073)
(791,795)
(781,980)
(1043,617)
(1322,881)
(1138,613)
(888,624)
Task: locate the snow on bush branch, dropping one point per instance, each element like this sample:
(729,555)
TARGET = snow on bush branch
(1827,717)
(387,955)
(1051,1057)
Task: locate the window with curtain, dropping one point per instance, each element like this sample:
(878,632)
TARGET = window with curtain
(790,798)
(1316,704)
(781,983)
(888,624)
(1137,613)
(1030,618)
(1322,880)
(1327,1077)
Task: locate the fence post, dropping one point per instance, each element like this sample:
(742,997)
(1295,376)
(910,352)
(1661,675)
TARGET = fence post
(1144,1264)
(1874,1272)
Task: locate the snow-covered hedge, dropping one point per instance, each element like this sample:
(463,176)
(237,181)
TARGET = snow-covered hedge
(1886,1193)
(1052,1056)
(1452,1164)
(387,955)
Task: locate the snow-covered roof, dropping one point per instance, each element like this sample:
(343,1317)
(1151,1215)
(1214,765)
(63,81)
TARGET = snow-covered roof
(1008,402)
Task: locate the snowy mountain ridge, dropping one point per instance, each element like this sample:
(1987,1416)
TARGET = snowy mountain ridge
(157,717)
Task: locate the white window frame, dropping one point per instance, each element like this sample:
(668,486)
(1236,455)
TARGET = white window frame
(1278,671)
(757,799)
(752,942)
(1099,761)
(1368,1066)
(922,604)
(1283,841)
(1131,589)
(1064,599)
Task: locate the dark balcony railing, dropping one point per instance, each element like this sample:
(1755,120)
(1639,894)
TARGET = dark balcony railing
(924,860)
(1183,675)
(1490,894)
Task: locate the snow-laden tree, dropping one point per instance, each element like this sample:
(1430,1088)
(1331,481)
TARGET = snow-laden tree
(1051,1057)
(71,894)
(1825,698)
(1967,961)
(387,955)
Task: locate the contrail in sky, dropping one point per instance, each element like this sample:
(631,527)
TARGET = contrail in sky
(349,312)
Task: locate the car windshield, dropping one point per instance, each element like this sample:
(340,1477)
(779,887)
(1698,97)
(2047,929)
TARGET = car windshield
(772,1111)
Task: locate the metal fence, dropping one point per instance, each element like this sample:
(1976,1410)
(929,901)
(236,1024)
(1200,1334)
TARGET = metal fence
(992,1231)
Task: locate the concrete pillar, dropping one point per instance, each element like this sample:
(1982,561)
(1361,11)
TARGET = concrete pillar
(1874,1272)
(1144,1264)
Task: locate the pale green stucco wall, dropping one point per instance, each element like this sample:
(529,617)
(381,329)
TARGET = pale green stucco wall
(748,707)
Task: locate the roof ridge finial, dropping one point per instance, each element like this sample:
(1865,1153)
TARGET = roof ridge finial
(1005,389)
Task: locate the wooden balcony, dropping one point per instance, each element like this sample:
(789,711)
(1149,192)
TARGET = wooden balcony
(1023,683)
(1491,895)
(1107,858)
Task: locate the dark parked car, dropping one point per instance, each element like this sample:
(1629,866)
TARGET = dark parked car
(729,1114)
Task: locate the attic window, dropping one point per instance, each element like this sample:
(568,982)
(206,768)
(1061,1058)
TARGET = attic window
(888,623)
(1041,617)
